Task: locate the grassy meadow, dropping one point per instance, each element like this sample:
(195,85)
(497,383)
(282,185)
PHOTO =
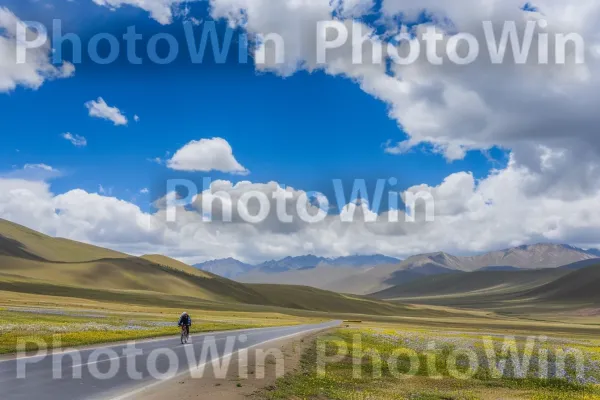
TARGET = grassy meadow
(80,322)
(440,368)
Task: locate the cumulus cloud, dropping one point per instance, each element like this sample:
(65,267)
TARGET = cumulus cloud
(76,140)
(470,216)
(160,10)
(38,66)
(99,109)
(206,155)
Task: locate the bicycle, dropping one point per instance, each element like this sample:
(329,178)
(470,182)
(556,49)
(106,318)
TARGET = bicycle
(185,334)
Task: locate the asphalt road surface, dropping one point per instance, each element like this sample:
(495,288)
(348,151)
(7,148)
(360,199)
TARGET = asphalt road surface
(107,372)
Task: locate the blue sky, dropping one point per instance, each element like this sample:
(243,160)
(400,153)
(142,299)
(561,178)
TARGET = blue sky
(302,130)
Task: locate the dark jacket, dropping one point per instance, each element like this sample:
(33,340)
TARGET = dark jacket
(185,320)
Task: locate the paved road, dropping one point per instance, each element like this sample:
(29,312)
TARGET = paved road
(120,369)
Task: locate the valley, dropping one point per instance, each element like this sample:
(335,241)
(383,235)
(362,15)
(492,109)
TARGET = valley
(89,296)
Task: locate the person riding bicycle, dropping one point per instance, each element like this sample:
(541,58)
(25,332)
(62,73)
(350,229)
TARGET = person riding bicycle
(185,321)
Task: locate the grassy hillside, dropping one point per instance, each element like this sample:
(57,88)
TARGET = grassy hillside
(18,241)
(580,286)
(552,293)
(31,262)
(581,264)
(178,265)
(129,274)
(472,283)
(313,299)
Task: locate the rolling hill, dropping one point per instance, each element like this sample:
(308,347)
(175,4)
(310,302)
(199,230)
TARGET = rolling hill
(554,290)
(18,241)
(472,284)
(580,286)
(31,262)
(581,264)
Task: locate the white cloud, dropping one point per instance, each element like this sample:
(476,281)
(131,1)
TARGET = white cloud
(136,118)
(156,160)
(38,66)
(396,148)
(42,167)
(76,140)
(144,191)
(471,216)
(206,155)
(354,8)
(32,172)
(160,10)
(99,109)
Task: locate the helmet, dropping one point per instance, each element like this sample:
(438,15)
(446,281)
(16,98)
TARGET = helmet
(183,313)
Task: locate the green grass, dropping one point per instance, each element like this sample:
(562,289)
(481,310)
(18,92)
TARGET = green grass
(85,327)
(385,381)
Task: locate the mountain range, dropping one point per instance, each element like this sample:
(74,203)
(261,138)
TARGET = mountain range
(232,268)
(369,274)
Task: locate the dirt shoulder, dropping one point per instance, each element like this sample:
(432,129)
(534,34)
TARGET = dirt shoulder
(241,380)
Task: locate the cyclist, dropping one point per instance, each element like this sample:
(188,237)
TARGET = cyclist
(185,321)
